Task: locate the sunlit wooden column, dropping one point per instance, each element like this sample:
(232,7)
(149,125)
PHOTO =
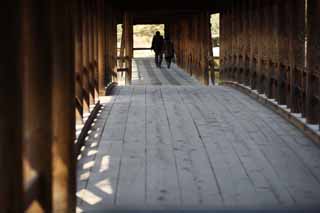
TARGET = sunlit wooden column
(11,187)
(64,169)
(85,56)
(313,61)
(113,43)
(37,102)
(78,68)
(95,62)
(91,51)
(128,33)
(101,47)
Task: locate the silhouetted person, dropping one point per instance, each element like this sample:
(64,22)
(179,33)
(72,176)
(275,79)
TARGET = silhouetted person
(157,47)
(168,51)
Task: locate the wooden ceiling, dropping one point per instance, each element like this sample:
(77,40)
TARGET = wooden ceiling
(162,11)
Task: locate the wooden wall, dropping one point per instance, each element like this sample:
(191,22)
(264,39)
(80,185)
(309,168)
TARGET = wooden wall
(263,46)
(190,36)
(55,61)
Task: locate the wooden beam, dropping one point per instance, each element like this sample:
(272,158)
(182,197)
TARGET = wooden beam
(11,187)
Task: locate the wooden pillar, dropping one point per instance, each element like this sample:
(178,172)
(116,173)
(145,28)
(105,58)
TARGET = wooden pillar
(274,66)
(64,159)
(95,50)
(78,66)
(284,45)
(204,27)
(91,51)
(265,36)
(128,33)
(11,187)
(246,40)
(260,37)
(101,47)
(210,53)
(313,58)
(223,44)
(111,44)
(272,55)
(37,103)
(122,47)
(297,55)
(85,55)
(254,43)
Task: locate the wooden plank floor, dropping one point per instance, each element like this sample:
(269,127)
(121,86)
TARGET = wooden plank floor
(166,142)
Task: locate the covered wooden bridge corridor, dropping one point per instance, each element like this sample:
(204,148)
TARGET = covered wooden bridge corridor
(72,139)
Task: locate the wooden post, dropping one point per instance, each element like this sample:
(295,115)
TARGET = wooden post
(297,54)
(11,187)
(283,52)
(275,49)
(78,67)
(254,47)
(91,51)
(246,38)
(210,53)
(313,58)
(204,27)
(128,33)
(64,159)
(122,47)
(101,47)
(111,44)
(95,50)
(37,93)
(85,56)
(222,44)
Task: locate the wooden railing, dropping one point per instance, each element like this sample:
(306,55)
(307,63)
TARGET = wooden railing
(268,52)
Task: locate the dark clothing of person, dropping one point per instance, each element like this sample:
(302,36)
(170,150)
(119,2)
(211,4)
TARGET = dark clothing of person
(157,43)
(157,47)
(168,60)
(158,58)
(168,52)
